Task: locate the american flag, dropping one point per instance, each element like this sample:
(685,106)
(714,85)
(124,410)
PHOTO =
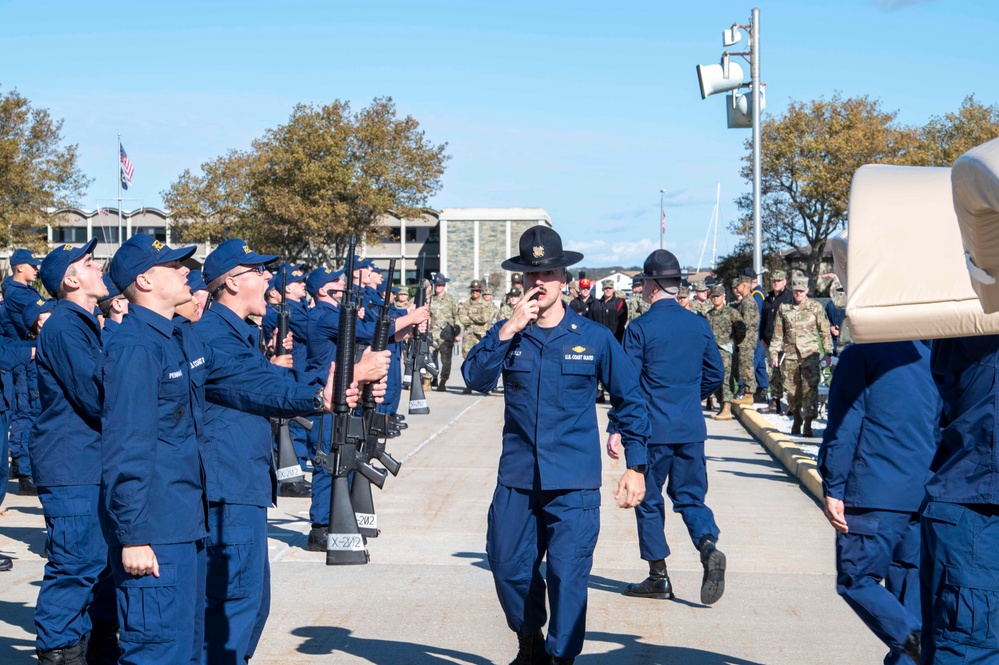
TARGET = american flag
(126,168)
(664,222)
(102,211)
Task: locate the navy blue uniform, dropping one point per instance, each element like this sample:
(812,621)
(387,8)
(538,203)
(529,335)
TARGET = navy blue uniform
(875,457)
(241,485)
(298,322)
(77,590)
(678,362)
(17,297)
(12,356)
(155,375)
(547,499)
(108,330)
(760,355)
(959,570)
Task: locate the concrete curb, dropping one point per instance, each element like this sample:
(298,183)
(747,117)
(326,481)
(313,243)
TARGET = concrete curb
(797,463)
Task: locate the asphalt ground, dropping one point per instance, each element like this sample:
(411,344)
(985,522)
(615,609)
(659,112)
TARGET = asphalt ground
(427,596)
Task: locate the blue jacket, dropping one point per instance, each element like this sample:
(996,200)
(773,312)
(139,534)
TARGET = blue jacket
(16,297)
(65,441)
(882,430)
(239,464)
(965,468)
(324,331)
(155,375)
(298,322)
(677,359)
(108,330)
(550,435)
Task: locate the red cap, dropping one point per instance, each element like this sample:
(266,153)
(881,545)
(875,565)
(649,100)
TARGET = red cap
(584,283)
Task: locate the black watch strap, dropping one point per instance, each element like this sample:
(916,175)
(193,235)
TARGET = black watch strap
(640,468)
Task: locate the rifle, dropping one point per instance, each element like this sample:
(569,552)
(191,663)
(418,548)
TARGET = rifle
(288,468)
(377,428)
(419,354)
(344,543)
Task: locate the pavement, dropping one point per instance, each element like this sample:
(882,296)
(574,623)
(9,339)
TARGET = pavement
(427,596)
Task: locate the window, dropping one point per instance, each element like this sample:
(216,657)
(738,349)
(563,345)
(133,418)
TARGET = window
(157,232)
(108,234)
(64,234)
(410,235)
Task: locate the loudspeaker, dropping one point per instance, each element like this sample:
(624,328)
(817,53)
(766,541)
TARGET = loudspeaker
(713,80)
(740,109)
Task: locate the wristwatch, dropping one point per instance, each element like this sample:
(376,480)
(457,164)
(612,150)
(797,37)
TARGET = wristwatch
(317,401)
(640,468)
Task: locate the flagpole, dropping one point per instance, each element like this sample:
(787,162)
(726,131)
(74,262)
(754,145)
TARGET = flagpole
(119,190)
(662,216)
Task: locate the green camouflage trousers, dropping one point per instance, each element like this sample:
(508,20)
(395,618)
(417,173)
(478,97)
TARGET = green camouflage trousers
(746,373)
(725,392)
(442,358)
(469,338)
(801,381)
(776,375)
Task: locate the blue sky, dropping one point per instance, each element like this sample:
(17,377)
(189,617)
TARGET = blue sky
(587,109)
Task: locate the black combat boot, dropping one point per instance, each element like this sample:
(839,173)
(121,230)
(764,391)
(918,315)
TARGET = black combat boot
(466,391)
(69,656)
(15,468)
(914,646)
(563,661)
(709,404)
(102,646)
(656,585)
(300,488)
(774,407)
(317,538)
(713,582)
(531,650)
(761,396)
(6,563)
(807,429)
(26,486)
(796,425)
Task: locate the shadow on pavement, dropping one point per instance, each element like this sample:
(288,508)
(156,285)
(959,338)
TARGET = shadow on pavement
(17,651)
(778,474)
(33,537)
(640,653)
(325,640)
(763,460)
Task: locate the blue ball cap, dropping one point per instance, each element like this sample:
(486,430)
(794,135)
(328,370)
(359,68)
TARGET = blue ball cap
(361,262)
(113,290)
(292,273)
(319,278)
(22,256)
(196,281)
(34,309)
(57,261)
(140,253)
(233,252)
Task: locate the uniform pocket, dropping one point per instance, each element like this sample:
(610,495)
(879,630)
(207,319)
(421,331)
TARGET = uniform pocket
(150,607)
(578,383)
(74,534)
(232,564)
(577,525)
(863,525)
(969,607)
(948,513)
(517,379)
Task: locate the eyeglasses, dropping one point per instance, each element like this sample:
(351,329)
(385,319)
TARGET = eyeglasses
(259,269)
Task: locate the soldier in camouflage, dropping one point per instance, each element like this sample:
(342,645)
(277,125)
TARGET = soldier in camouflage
(727,326)
(683,298)
(444,328)
(511,300)
(801,333)
(699,303)
(476,316)
(636,306)
(746,352)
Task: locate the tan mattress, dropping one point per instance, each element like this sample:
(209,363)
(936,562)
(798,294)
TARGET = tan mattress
(975,181)
(908,278)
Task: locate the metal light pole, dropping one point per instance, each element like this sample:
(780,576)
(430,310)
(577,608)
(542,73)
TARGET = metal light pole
(754,49)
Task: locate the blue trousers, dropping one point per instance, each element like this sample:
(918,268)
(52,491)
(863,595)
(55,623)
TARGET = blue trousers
(393,384)
(77,589)
(881,545)
(238,591)
(760,366)
(26,409)
(162,619)
(300,439)
(959,579)
(525,527)
(681,468)
(4,453)
(322,482)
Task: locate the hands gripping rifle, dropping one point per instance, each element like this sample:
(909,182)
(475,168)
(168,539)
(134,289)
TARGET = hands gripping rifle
(288,467)
(419,356)
(345,545)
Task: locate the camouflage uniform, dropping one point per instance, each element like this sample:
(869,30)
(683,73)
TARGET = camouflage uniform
(506,309)
(696,306)
(801,332)
(476,317)
(443,312)
(746,351)
(636,307)
(726,325)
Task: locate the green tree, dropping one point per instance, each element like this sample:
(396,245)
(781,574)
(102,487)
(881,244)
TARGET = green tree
(810,153)
(37,172)
(306,186)
(945,138)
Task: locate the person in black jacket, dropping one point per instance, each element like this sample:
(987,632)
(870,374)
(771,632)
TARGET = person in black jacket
(778,296)
(612,313)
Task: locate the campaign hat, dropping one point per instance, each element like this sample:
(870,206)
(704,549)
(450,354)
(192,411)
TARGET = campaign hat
(541,250)
(660,264)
